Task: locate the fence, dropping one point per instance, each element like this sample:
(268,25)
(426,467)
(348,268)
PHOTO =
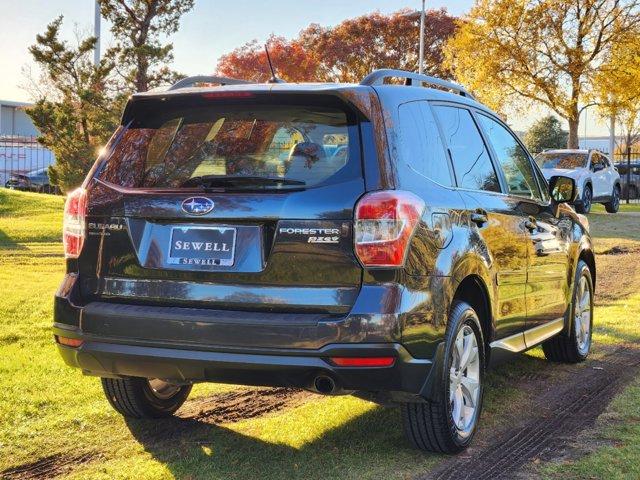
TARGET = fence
(21,155)
(628,165)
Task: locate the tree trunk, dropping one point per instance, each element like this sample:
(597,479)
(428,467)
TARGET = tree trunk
(572,141)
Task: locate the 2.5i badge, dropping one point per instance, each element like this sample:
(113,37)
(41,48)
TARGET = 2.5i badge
(313,235)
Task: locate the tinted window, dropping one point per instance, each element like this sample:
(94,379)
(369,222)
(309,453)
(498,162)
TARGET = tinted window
(173,143)
(471,162)
(567,161)
(421,144)
(513,159)
(597,160)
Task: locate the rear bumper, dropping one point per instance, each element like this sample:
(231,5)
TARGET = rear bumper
(252,348)
(282,368)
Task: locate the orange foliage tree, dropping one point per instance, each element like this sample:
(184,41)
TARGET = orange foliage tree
(348,51)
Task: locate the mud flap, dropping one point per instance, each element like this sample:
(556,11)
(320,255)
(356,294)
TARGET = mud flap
(430,390)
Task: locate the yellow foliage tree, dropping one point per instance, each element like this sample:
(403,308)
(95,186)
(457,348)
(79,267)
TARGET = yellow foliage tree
(513,53)
(617,88)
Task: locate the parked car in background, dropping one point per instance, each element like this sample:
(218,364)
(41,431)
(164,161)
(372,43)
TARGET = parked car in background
(629,182)
(370,239)
(596,178)
(33,181)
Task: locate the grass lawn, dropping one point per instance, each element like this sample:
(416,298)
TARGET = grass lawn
(49,411)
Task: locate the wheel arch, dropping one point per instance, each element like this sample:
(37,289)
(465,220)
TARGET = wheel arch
(473,290)
(589,258)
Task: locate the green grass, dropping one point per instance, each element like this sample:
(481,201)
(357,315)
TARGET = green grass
(47,408)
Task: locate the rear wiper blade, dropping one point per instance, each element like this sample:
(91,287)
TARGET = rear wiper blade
(223,180)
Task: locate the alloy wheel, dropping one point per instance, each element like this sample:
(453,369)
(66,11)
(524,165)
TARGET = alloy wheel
(464,380)
(586,201)
(582,316)
(615,201)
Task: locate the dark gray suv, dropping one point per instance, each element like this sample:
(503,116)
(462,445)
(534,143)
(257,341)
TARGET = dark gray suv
(382,240)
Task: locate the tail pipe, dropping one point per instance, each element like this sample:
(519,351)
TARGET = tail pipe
(325,385)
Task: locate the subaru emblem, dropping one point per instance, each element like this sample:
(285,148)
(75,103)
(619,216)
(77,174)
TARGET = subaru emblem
(197,205)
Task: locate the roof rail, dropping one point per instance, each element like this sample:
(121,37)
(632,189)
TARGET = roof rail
(377,77)
(191,81)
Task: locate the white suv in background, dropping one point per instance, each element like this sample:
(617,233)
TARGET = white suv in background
(597,180)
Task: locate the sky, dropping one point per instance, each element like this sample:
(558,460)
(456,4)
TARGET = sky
(210,30)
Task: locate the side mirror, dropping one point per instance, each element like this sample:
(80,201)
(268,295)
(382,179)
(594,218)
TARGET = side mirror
(597,167)
(562,189)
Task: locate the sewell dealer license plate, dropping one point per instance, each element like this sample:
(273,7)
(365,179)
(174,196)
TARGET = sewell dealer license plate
(213,246)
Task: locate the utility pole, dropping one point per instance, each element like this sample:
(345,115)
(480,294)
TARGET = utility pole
(96,33)
(421,56)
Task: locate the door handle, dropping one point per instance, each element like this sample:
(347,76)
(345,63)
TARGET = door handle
(530,224)
(479,217)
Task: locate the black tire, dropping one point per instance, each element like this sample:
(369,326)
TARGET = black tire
(565,347)
(430,425)
(614,205)
(133,397)
(584,206)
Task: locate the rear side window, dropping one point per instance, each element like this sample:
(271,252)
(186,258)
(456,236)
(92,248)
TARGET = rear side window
(187,141)
(597,161)
(471,162)
(513,159)
(421,144)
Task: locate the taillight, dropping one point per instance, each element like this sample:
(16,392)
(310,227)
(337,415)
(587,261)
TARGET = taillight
(384,224)
(73,227)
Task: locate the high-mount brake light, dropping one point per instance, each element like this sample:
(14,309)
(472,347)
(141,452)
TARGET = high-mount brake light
(384,224)
(73,228)
(226,95)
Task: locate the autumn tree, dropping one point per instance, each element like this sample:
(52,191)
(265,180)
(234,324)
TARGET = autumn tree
(290,58)
(348,51)
(352,49)
(547,52)
(545,133)
(137,26)
(73,110)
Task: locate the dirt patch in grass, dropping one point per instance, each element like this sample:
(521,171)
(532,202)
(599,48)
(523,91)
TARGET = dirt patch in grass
(243,404)
(194,419)
(618,275)
(49,467)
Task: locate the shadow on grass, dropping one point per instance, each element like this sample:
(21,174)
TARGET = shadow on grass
(370,445)
(7,243)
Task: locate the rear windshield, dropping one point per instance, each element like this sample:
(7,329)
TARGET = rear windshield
(567,161)
(255,141)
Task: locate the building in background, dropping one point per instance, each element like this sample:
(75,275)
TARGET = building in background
(20,152)
(14,121)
